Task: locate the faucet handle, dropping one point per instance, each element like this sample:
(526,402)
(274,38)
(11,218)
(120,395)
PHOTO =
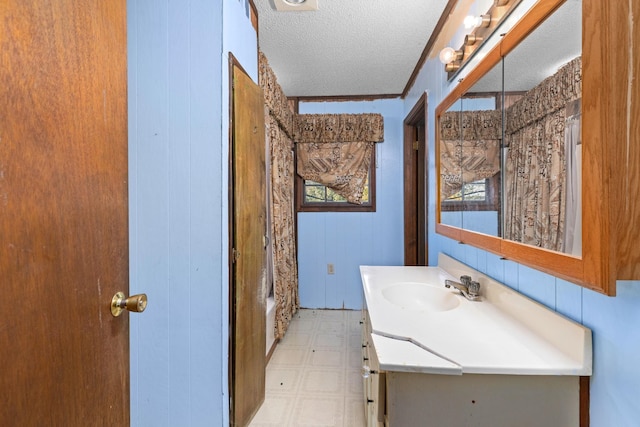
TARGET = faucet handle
(474,288)
(465,280)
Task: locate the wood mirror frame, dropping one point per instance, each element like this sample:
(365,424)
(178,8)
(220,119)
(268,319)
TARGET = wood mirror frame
(611,149)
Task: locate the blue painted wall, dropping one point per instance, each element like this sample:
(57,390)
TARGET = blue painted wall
(616,337)
(178,180)
(351,239)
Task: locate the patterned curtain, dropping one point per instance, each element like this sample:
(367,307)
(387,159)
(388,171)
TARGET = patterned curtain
(285,268)
(335,150)
(469,148)
(535,178)
(279,122)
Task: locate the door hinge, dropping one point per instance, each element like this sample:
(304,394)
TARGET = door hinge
(235,255)
(416,145)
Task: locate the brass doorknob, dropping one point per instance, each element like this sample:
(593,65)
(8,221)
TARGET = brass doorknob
(135,303)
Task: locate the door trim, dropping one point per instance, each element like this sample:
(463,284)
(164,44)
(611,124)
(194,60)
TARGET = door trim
(412,240)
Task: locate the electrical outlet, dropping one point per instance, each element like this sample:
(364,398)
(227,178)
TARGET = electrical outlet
(330,269)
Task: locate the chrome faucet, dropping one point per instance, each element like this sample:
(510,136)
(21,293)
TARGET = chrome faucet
(468,288)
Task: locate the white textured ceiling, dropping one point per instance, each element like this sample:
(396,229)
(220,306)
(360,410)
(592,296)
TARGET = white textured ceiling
(347,47)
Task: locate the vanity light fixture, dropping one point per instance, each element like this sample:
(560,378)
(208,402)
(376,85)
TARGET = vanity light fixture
(479,29)
(482,21)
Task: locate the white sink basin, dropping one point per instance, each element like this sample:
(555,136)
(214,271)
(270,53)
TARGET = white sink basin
(503,333)
(420,297)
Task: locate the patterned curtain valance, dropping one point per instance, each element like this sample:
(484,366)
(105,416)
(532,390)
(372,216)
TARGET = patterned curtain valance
(471,125)
(332,128)
(553,94)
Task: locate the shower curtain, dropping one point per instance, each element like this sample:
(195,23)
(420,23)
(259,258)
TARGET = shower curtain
(542,193)
(573,156)
(279,122)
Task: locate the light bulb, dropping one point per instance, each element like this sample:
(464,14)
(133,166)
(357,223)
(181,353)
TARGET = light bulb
(471,21)
(448,55)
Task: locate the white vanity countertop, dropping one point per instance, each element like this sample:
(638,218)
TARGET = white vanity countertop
(504,333)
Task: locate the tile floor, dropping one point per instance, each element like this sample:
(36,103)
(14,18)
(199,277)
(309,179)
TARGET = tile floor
(314,375)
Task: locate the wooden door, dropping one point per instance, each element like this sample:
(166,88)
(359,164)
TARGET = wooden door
(248,301)
(64,360)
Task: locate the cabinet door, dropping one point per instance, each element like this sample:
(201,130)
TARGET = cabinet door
(366,380)
(374,381)
(378,388)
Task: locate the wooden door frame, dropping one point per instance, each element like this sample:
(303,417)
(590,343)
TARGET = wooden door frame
(417,115)
(233,62)
(231,386)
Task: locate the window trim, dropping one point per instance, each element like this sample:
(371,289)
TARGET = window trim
(302,206)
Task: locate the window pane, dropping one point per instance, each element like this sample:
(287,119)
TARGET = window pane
(332,196)
(318,193)
(314,192)
(312,196)
(474,191)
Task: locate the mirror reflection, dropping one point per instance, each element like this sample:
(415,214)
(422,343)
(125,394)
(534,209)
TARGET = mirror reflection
(450,171)
(510,155)
(470,150)
(542,80)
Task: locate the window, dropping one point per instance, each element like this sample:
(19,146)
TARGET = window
(481,195)
(314,197)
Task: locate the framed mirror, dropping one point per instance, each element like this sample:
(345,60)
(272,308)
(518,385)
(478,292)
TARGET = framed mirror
(539,85)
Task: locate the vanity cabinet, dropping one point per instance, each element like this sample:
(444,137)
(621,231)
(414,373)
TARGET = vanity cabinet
(397,398)
(435,358)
